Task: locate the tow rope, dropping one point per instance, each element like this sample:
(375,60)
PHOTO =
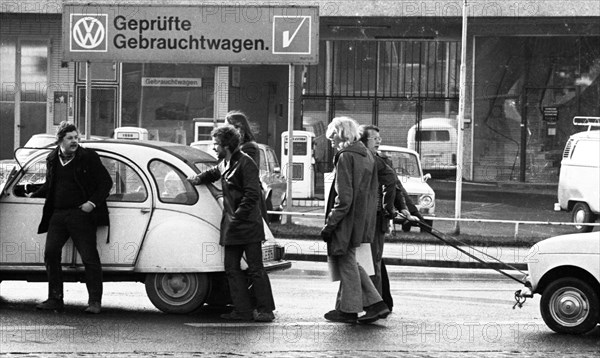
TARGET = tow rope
(440,236)
(519,298)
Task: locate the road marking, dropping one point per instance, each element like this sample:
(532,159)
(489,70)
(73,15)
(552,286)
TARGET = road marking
(254,324)
(32,328)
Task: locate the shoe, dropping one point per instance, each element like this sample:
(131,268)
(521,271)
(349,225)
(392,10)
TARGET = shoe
(238,316)
(93,308)
(51,304)
(339,316)
(263,316)
(374,312)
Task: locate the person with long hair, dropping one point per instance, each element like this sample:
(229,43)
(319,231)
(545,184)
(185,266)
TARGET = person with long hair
(248,145)
(350,221)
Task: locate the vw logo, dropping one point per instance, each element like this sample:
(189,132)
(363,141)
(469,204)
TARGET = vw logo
(88,32)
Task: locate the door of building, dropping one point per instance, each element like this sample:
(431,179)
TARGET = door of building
(22,107)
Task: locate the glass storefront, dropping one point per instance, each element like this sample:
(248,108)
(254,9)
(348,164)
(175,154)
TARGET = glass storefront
(165,98)
(527,91)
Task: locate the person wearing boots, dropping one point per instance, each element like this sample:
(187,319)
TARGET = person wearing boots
(76,188)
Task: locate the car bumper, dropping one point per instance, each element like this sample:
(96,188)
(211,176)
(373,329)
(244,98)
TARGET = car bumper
(273,258)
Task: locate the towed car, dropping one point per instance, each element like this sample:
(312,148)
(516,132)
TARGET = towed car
(565,270)
(163,230)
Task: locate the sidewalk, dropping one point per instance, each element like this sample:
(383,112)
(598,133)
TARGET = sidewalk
(414,254)
(496,201)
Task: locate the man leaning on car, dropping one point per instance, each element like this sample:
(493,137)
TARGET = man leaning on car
(76,188)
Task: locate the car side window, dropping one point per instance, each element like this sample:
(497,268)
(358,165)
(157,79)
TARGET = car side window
(128,186)
(264,169)
(173,186)
(33,178)
(272,160)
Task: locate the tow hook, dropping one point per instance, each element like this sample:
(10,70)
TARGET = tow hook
(522,295)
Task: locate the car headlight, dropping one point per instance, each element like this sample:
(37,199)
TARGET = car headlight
(426,201)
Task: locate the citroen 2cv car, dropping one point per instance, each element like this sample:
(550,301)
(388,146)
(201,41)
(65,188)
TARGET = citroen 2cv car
(163,230)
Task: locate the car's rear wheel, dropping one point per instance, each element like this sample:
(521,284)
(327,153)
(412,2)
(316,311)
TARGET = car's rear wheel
(570,305)
(581,215)
(177,292)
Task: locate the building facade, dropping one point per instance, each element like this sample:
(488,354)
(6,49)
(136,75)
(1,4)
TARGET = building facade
(531,67)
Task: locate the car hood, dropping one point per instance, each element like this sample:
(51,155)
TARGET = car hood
(584,243)
(415,185)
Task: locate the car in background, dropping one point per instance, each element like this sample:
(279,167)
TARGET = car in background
(407,165)
(163,230)
(274,184)
(435,139)
(565,270)
(579,178)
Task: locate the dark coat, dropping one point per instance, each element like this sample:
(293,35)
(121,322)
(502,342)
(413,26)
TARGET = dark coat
(251,148)
(352,204)
(242,222)
(90,175)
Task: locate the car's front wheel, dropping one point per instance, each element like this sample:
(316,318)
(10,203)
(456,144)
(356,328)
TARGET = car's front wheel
(581,215)
(177,292)
(570,305)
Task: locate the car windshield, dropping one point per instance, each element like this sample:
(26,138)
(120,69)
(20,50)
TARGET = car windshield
(405,164)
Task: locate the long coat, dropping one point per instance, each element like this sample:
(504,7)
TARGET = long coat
(352,203)
(90,175)
(242,222)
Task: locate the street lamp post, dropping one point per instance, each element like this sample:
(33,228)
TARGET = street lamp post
(461,120)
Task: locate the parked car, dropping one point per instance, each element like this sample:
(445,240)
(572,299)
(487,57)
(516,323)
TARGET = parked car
(565,270)
(274,184)
(579,179)
(164,235)
(435,139)
(407,165)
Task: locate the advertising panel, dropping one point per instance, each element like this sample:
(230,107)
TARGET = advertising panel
(191,34)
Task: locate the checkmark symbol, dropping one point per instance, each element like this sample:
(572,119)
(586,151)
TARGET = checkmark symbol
(287,40)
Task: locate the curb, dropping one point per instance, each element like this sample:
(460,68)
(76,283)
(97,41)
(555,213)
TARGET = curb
(413,262)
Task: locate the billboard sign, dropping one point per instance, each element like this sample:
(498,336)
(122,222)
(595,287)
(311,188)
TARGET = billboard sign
(191,34)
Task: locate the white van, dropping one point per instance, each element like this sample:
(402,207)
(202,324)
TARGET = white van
(579,183)
(437,137)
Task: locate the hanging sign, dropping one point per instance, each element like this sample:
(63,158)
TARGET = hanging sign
(191,34)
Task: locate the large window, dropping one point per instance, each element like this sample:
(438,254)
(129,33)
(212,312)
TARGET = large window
(518,81)
(165,98)
(387,69)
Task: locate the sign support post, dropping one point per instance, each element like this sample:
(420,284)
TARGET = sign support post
(461,121)
(88,100)
(288,195)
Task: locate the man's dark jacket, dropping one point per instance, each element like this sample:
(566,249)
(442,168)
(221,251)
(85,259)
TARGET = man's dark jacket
(242,222)
(91,177)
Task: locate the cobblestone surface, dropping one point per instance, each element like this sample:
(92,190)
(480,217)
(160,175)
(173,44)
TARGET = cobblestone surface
(298,354)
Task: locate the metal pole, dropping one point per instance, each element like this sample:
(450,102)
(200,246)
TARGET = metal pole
(291,93)
(461,120)
(88,100)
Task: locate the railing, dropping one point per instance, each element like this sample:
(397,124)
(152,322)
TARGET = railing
(517,223)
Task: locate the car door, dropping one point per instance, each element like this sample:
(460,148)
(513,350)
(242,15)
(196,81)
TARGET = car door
(21,246)
(130,205)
